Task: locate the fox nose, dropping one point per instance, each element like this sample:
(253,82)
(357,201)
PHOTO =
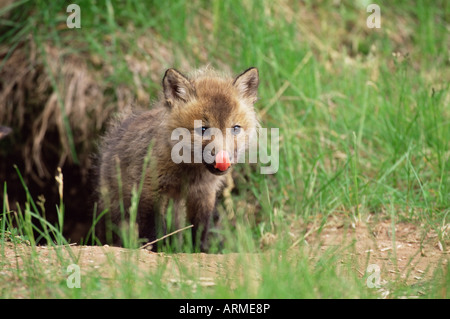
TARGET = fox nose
(222,161)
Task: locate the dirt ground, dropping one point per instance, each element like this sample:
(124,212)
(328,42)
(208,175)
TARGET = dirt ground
(401,251)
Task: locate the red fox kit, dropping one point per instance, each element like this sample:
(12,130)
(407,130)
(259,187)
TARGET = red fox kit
(213,114)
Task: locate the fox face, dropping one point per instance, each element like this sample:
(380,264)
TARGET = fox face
(213,115)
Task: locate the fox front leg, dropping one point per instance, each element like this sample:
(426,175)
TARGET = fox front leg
(199,212)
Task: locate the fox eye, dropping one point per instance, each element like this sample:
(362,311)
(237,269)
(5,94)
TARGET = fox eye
(236,130)
(201,130)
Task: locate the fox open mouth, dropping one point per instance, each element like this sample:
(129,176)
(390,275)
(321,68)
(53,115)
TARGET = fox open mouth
(221,163)
(211,167)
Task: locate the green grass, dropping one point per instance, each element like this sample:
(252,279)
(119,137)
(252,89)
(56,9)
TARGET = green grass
(364,121)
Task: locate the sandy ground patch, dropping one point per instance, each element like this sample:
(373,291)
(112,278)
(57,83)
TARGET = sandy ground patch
(401,251)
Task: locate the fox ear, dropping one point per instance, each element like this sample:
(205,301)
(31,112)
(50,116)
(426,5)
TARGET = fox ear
(247,84)
(176,86)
